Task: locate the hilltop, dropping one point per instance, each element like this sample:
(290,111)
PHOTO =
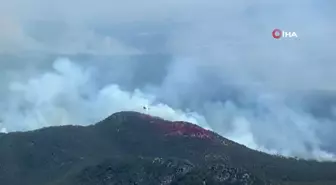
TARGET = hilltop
(135,148)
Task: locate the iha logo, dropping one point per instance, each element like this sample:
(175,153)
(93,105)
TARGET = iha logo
(277,34)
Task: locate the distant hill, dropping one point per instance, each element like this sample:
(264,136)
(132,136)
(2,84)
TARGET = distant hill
(137,149)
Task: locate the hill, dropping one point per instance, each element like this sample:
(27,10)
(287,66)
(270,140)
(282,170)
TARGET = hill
(134,148)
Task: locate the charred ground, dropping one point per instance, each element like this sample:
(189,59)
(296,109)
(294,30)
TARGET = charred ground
(134,148)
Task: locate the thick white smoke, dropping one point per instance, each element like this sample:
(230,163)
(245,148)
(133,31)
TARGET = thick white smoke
(68,95)
(218,67)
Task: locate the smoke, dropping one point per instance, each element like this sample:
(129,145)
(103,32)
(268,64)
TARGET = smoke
(213,63)
(68,95)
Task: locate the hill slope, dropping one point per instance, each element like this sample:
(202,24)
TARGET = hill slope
(133,148)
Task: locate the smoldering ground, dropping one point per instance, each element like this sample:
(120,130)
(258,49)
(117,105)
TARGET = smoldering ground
(213,63)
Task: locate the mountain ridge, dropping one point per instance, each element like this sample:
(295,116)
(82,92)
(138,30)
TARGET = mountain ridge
(135,141)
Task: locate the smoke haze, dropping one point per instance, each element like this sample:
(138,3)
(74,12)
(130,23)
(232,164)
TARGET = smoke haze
(213,63)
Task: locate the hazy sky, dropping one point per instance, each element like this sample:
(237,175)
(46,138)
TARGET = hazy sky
(214,63)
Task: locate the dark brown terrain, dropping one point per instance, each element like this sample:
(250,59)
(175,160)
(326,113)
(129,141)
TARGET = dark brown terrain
(137,149)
